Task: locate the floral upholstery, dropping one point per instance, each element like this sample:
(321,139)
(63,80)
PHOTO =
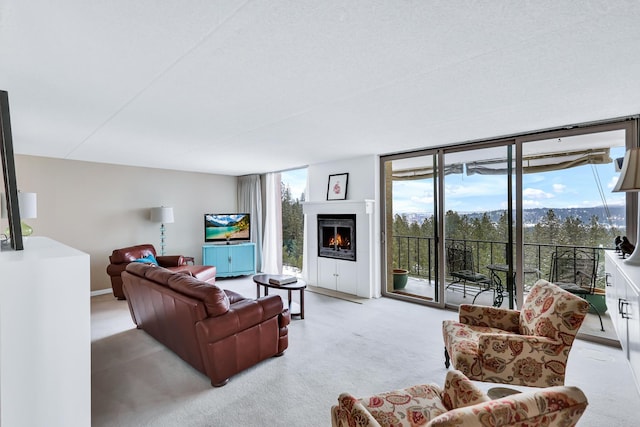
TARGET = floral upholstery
(528,347)
(460,403)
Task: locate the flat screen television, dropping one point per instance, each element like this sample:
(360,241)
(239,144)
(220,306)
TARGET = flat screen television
(219,228)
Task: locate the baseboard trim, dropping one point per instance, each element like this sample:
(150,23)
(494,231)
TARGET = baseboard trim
(611,342)
(101,292)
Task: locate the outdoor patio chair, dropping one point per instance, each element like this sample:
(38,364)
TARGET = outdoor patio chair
(575,271)
(461,268)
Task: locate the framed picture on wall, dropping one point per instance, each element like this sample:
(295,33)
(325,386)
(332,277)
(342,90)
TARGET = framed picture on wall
(337,188)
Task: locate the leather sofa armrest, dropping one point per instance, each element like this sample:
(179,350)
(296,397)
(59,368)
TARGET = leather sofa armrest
(285,318)
(115,269)
(171,260)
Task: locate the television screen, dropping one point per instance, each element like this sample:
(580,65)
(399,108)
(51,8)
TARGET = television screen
(226,227)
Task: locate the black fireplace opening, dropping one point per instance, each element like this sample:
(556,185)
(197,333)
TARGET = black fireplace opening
(337,236)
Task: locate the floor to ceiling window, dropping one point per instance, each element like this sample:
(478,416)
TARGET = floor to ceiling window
(478,224)
(293,189)
(412,246)
(504,210)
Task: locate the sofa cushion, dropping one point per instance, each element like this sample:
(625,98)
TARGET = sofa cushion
(138,268)
(214,298)
(159,275)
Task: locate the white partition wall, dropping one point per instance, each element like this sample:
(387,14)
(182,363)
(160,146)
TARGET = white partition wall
(353,277)
(45,336)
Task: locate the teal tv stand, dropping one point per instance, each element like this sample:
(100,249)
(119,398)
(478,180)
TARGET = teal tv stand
(231,260)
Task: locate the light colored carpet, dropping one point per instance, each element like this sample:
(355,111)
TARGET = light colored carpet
(379,345)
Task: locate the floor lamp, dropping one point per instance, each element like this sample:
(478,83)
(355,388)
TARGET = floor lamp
(163,215)
(630,181)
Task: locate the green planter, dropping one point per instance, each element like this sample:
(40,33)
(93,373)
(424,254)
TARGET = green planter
(400,277)
(598,300)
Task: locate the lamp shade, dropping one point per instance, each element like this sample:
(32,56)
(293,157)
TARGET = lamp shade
(162,214)
(28,203)
(630,174)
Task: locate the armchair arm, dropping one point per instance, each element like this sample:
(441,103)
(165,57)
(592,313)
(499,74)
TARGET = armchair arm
(351,413)
(459,391)
(481,315)
(534,407)
(170,260)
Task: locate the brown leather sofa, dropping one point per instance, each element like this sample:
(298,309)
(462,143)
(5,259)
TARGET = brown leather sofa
(120,258)
(218,332)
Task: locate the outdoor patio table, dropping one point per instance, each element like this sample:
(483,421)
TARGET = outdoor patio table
(497,282)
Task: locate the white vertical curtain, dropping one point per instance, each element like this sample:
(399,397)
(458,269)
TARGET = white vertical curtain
(250,201)
(272,245)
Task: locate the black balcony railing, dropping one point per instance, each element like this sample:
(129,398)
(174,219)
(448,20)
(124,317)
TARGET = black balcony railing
(418,255)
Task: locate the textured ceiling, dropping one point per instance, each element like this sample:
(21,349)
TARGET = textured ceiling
(239,87)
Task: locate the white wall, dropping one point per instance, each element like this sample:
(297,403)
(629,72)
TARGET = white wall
(363,184)
(363,181)
(97,207)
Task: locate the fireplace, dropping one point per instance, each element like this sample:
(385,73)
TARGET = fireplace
(337,236)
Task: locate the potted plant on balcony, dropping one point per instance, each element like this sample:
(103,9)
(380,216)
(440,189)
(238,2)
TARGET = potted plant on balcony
(597,300)
(400,276)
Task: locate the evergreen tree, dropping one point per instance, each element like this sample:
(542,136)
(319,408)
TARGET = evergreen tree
(292,228)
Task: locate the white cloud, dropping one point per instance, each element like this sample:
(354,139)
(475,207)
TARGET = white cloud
(612,182)
(425,199)
(536,193)
(530,204)
(559,188)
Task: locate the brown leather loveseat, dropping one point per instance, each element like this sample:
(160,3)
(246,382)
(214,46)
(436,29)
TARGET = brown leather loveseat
(218,332)
(120,258)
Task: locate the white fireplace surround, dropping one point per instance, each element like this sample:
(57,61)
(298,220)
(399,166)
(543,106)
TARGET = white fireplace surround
(353,277)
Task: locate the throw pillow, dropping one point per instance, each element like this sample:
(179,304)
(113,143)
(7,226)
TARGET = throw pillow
(149,259)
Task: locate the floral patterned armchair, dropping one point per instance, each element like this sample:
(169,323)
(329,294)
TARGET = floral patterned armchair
(528,347)
(459,403)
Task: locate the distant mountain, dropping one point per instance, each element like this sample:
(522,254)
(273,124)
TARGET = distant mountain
(535,215)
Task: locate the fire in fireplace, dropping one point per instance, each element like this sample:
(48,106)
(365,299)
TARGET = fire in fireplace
(337,236)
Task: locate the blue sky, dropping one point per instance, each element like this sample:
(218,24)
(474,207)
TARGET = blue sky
(296,180)
(576,187)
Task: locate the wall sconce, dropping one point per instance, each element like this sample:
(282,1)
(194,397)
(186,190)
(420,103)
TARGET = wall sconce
(163,215)
(629,181)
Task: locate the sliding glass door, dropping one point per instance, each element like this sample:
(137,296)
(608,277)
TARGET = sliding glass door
(411,227)
(478,224)
(569,212)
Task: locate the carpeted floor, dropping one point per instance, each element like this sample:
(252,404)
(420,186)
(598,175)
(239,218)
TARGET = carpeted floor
(378,345)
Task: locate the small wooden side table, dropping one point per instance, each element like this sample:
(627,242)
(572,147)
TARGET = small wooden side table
(299,285)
